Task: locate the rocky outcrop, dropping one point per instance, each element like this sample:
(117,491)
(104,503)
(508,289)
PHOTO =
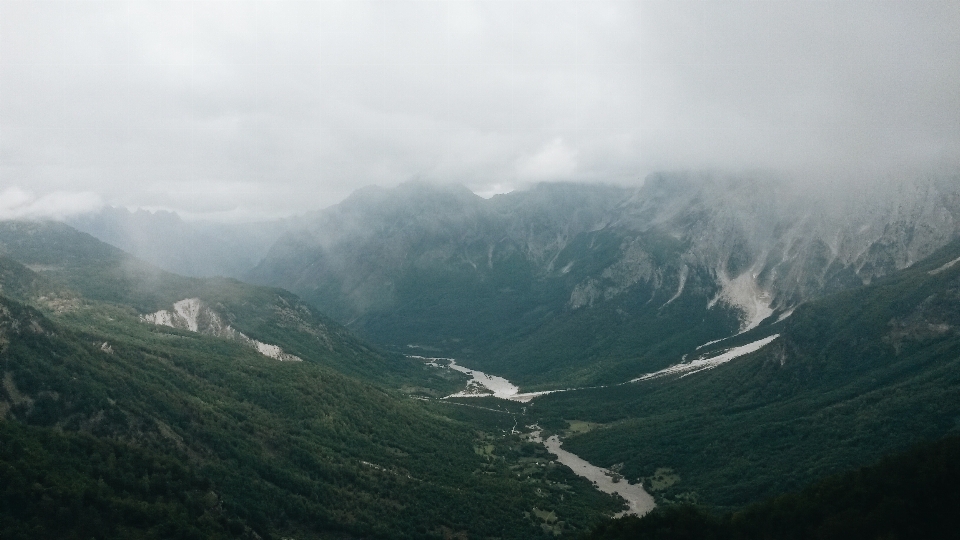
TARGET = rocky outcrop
(194,315)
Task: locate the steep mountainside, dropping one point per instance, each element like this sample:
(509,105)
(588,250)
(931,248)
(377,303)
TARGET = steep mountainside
(847,379)
(575,284)
(117,426)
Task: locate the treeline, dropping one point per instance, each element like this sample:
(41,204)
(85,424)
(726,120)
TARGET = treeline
(911,495)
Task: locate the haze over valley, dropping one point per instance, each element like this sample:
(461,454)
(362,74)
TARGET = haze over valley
(479,269)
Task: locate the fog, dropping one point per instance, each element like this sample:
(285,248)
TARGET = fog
(16,203)
(240,111)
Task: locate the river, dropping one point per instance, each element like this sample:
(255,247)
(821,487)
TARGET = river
(640,502)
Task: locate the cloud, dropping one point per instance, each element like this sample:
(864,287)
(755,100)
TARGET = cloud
(16,203)
(267,108)
(554,161)
(489,190)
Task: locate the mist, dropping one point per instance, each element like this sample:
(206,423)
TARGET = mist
(17,203)
(257,110)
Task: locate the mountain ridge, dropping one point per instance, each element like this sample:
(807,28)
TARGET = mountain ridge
(328,447)
(527,267)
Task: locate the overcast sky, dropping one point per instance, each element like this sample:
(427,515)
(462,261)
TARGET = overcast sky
(253,109)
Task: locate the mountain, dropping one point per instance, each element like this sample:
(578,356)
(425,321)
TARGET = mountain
(722,339)
(733,338)
(75,265)
(843,381)
(583,284)
(198,248)
(117,424)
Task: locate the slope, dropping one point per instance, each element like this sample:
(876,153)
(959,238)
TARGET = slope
(908,495)
(67,260)
(569,284)
(850,378)
(209,437)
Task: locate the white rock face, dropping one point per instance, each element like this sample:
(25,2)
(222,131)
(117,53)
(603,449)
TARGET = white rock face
(273,351)
(188,310)
(745,295)
(193,315)
(160,318)
(634,267)
(772,243)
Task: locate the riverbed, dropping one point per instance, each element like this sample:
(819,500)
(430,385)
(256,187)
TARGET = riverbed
(640,502)
(482,384)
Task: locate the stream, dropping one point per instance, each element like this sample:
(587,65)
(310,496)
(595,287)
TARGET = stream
(640,502)
(481,384)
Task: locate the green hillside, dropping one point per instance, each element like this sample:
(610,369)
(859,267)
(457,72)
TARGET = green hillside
(909,495)
(852,377)
(75,269)
(205,437)
(125,429)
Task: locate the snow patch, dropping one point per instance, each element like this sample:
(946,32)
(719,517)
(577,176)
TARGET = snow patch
(482,385)
(705,363)
(710,343)
(527,397)
(944,267)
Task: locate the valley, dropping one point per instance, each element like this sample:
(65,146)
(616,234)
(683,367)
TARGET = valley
(422,363)
(262,447)
(479,270)
(577,285)
(482,385)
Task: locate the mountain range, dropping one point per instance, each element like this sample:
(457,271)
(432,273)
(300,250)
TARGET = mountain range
(116,426)
(575,284)
(722,339)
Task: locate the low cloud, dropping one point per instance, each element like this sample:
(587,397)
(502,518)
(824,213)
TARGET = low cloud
(554,161)
(266,108)
(17,203)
